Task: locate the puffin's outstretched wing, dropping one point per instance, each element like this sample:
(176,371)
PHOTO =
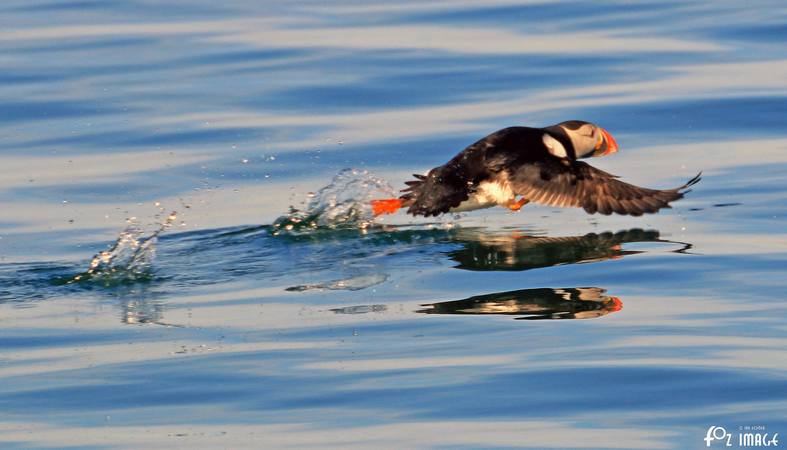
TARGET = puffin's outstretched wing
(435,193)
(555,183)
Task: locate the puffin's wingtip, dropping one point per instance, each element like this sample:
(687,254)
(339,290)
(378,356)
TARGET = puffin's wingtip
(683,190)
(693,181)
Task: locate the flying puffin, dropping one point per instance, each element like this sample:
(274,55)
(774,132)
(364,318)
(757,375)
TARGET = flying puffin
(539,165)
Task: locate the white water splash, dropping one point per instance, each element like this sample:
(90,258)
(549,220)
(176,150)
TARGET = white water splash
(344,203)
(130,257)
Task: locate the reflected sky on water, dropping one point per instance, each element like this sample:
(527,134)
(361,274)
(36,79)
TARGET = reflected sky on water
(401,335)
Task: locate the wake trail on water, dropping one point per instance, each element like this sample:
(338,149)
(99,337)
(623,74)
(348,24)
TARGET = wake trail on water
(345,203)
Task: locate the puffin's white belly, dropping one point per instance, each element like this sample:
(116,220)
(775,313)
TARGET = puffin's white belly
(487,195)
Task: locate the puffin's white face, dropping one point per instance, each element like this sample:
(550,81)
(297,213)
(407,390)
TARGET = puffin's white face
(586,139)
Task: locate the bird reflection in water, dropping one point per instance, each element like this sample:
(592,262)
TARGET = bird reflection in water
(483,251)
(518,252)
(367,258)
(534,304)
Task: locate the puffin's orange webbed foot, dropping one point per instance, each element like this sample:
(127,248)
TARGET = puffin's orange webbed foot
(517,205)
(386,206)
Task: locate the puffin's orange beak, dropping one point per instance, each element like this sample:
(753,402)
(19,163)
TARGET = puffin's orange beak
(606,145)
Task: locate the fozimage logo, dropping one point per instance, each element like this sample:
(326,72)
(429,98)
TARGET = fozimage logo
(746,436)
(717,434)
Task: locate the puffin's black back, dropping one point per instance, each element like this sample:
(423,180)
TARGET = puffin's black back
(446,186)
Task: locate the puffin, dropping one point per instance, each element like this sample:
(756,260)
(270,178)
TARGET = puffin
(518,165)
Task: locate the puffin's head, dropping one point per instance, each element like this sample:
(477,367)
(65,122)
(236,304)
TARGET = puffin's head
(576,139)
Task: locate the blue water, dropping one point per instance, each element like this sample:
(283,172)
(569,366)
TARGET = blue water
(218,327)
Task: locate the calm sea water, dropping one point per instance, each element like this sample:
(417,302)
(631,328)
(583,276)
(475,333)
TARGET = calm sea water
(219,332)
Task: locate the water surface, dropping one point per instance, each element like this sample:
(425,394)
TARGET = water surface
(543,328)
